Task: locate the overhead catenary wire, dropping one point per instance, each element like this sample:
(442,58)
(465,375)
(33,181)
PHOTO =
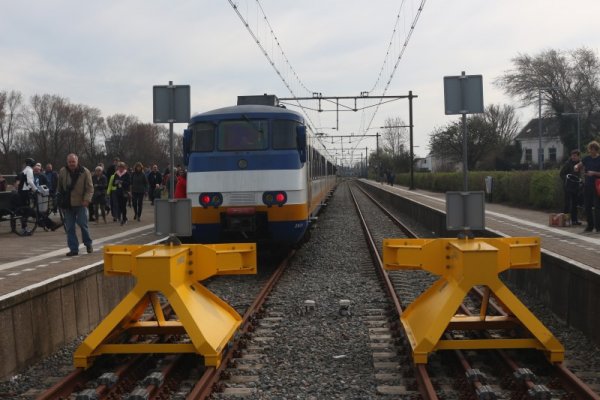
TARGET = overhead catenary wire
(398,58)
(275,40)
(280,69)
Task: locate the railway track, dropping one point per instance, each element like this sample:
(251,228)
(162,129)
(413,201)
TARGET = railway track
(329,328)
(483,374)
(169,376)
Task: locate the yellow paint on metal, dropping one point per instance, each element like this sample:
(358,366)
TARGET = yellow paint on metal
(463,264)
(173,271)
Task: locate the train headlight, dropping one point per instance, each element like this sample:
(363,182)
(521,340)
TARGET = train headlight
(210,199)
(274,198)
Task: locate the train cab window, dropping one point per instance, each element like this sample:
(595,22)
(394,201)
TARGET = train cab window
(284,134)
(243,135)
(203,137)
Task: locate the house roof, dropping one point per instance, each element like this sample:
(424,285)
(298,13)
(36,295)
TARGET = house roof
(550,128)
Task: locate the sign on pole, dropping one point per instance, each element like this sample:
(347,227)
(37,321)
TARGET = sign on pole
(171,103)
(463,94)
(173,217)
(465,211)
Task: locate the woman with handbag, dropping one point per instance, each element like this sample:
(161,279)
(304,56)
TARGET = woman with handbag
(122,183)
(591,194)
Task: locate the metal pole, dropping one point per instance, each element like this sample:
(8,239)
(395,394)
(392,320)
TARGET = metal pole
(378,172)
(578,135)
(172,143)
(465,159)
(540,154)
(366,162)
(412,155)
(464,122)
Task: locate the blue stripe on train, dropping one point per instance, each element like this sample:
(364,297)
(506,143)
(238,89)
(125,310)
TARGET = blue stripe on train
(288,232)
(256,161)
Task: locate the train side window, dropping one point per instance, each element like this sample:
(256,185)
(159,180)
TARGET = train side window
(203,137)
(284,134)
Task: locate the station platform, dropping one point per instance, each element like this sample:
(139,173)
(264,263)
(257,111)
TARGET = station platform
(33,260)
(562,242)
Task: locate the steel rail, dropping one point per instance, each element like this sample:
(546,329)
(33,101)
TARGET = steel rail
(66,386)
(580,389)
(424,381)
(76,379)
(204,387)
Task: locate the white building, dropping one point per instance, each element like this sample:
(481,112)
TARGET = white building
(552,148)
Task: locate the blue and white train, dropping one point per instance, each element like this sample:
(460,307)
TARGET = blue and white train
(254,173)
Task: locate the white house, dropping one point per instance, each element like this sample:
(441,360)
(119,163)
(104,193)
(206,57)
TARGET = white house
(423,164)
(432,163)
(552,148)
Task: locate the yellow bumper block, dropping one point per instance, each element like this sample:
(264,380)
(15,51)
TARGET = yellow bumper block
(463,264)
(174,272)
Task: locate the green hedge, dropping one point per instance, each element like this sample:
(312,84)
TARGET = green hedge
(531,189)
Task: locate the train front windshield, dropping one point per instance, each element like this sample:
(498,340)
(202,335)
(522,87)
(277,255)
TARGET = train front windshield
(243,135)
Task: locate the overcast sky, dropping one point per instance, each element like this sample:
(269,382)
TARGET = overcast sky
(109,54)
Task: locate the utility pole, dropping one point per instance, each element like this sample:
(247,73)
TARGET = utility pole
(412,155)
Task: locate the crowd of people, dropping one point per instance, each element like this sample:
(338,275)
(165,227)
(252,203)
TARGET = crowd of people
(84,196)
(581,178)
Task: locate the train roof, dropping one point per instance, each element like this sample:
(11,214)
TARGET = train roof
(250,111)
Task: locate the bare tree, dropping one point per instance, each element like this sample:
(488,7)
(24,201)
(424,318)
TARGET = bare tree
(76,132)
(11,104)
(47,126)
(487,135)
(394,136)
(142,143)
(567,82)
(117,126)
(94,126)
(503,121)
(164,139)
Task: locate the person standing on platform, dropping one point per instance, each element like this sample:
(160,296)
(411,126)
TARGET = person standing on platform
(570,180)
(591,170)
(181,184)
(26,186)
(75,190)
(39,178)
(99,199)
(121,182)
(139,186)
(110,172)
(154,182)
(52,178)
(166,180)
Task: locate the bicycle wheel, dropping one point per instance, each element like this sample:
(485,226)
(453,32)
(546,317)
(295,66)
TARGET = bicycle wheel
(26,220)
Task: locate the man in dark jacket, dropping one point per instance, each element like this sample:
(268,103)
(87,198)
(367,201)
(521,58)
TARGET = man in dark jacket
(571,185)
(154,182)
(75,189)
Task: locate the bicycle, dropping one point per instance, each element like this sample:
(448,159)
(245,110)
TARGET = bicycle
(13,211)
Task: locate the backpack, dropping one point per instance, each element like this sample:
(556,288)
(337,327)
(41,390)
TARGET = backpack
(22,178)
